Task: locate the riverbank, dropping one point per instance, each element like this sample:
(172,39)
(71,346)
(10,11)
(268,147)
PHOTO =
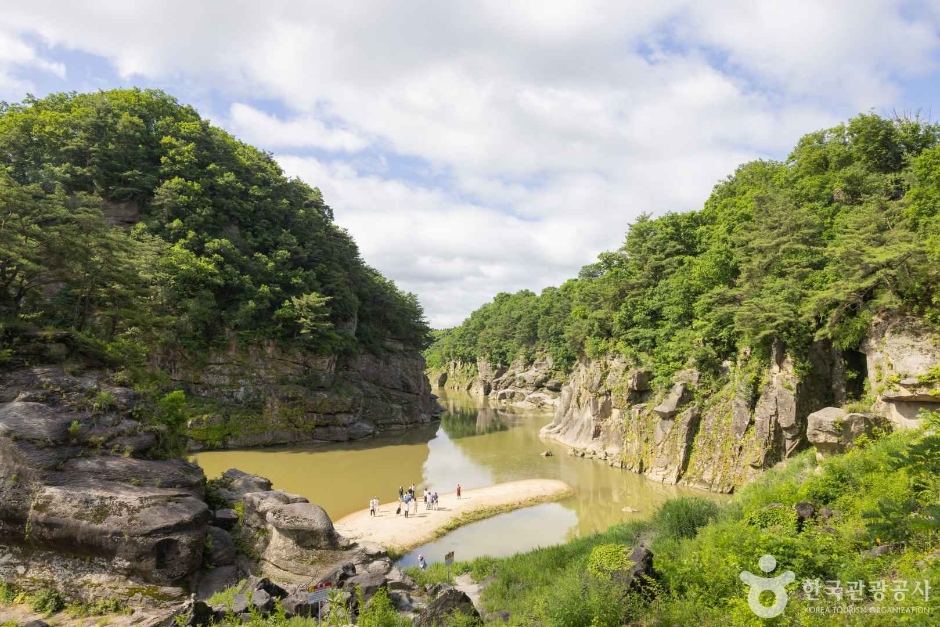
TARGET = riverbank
(397,533)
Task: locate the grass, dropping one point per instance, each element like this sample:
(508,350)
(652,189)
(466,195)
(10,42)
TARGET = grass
(48,601)
(883,492)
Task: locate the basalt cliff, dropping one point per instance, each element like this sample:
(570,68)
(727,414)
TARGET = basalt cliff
(719,434)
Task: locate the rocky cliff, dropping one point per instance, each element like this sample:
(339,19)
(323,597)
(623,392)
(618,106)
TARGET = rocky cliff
(267,395)
(522,384)
(753,417)
(81,505)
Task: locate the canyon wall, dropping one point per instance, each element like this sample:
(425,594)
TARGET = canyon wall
(720,435)
(265,395)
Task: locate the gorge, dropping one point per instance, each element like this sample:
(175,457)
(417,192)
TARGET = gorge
(171,302)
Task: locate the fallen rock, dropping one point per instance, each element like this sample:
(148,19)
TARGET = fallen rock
(445,605)
(241,483)
(640,573)
(679,395)
(265,584)
(547,454)
(262,602)
(831,430)
(222,552)
(216,580)
(225,519)
(403,602)
(804,511)
(399,580)
(298,604)
(369,583)
(339,574)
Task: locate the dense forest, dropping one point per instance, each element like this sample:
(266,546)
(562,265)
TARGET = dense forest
(131,222)
(809,248)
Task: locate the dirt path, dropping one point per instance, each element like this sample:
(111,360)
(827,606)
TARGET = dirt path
(402,534)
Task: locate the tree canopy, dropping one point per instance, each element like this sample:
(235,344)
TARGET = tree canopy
(130,220)
(795,251)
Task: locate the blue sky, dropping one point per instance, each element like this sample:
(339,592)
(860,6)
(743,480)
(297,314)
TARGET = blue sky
(488,146)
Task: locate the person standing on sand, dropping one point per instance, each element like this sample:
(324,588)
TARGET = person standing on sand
(401,493)
(372,506)
(458,491)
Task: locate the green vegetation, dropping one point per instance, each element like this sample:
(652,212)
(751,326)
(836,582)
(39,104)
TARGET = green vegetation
(47,601)
(813,247)
(140,230)
(884,494)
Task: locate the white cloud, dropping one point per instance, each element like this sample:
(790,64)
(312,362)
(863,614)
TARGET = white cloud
(16,55)
(257,127)
(540,130)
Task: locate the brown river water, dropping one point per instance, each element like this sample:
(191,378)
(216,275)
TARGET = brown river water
(475,445)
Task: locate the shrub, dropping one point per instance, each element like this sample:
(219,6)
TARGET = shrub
(681,518)
(776,517)
(606,559)
(46,602)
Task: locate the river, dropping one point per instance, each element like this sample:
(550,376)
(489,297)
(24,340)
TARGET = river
(475,445)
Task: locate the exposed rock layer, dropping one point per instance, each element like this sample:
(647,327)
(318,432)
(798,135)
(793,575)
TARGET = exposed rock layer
(267,395)
(73,484)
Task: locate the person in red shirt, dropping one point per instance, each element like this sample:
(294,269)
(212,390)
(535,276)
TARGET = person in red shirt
(458,490)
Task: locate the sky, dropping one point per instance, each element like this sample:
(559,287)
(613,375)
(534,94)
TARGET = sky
(495,145)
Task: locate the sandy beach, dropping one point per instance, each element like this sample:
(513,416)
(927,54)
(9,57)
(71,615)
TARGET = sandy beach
(402,534)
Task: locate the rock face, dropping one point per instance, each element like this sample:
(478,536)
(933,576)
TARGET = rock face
(903,363)
(831,430)
(273,396)
(444,606)
(681,435)
(522,384)
(72,486)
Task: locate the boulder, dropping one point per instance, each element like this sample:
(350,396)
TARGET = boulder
(223,547)
(399,580)
(262,602)
(263,583)
(258,504)
(804,511)
(339,574)
(216,580)
(305,524)
(240,604)
(241,483)
(546,454)
(679,395)
(445,605)
(639,379)
(369,583)
(298,604)
(382,565)
(403,601)
(831,430)
(553,385)
(434,590)
(640,572)
(225,519)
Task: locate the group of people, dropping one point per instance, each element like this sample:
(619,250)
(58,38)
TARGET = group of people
(409,502)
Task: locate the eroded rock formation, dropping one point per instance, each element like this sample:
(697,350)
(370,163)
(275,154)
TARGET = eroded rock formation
(266,395)
(80,504)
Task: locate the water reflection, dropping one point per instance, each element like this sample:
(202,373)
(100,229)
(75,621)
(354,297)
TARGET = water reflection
(461,422)
(475,445)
